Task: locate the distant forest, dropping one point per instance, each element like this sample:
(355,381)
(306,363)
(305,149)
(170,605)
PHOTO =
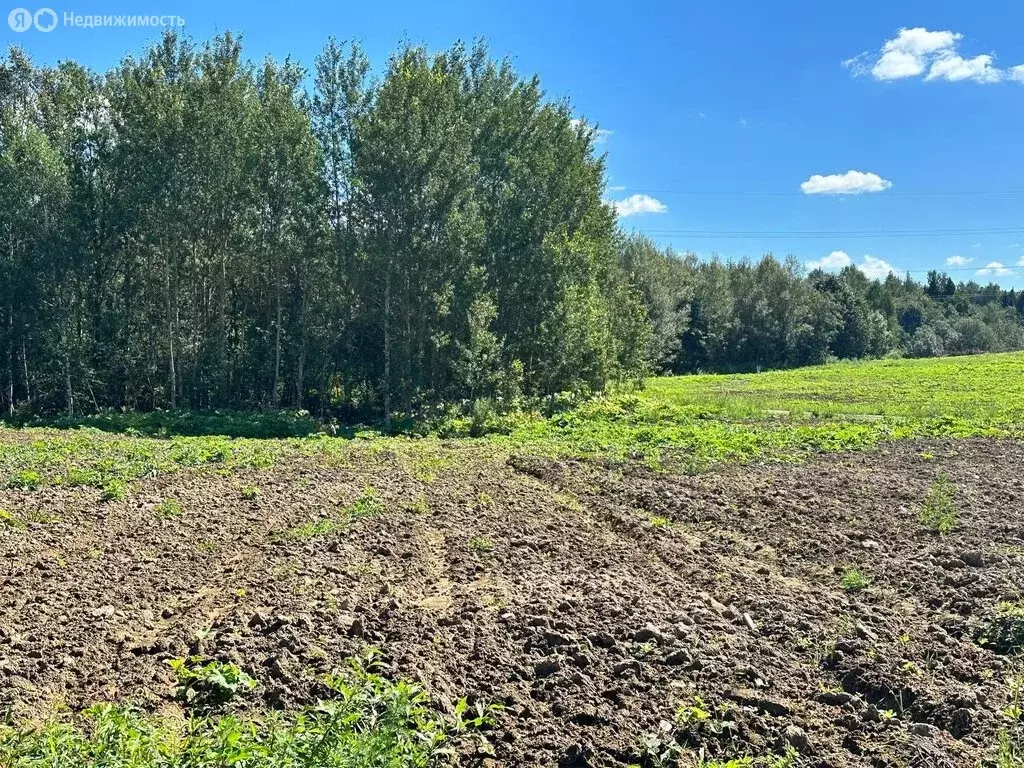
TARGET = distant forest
(194,230)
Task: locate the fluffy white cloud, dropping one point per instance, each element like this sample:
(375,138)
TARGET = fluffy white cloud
(957,261)
(916,51)
(849,183)
(835,260)
(905,55)
(872,267)
(600,135)
(875,268)
(955,68)
(995,269)
(1021,262)
(635,204)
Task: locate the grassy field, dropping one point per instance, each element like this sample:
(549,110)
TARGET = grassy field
(690,422)
(674,423)
(680,425)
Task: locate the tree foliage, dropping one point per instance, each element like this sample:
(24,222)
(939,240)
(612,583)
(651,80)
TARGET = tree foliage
(195,230)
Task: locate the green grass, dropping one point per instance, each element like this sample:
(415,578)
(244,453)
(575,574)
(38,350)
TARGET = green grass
(368,721)
(854,580)
(481,544)
(314,529)
(368,504)
(684,423)
(168,509)
(690,422)
(1004,631)
(10,520)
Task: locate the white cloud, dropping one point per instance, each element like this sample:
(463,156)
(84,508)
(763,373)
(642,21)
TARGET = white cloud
(957,261)
(955,68)
(600,135)
(995,268)
(1021,262)
(975,245)
(872,267)
(849,183)
(875,268)
(619,188)
(743,123)
(835,260)
(907,53)
(916,51)
(635,204)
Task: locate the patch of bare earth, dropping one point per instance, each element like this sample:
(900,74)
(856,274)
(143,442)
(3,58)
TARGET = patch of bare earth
(553,589)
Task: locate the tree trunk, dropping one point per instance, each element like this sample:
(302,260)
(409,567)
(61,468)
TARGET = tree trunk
(171,374)
(24,363)
(10,361)
(276,397)
(69,394)
(387,349)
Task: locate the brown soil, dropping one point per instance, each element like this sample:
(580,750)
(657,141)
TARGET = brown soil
(554,589)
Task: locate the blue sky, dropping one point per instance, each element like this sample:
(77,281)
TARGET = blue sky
(720,112)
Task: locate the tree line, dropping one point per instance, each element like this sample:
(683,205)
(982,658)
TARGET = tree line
(195,230)
(749,316)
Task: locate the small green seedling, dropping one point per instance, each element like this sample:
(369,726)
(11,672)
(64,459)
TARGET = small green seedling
(854,580)
(481,544)
(168,508)
(938,511)
(250,492)
(114,490)
(368,504)
(8,520)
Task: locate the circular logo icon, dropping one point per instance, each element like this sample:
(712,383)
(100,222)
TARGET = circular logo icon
(45,19)
(20,19)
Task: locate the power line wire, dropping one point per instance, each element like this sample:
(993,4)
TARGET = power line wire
(747,193)
(827,234)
